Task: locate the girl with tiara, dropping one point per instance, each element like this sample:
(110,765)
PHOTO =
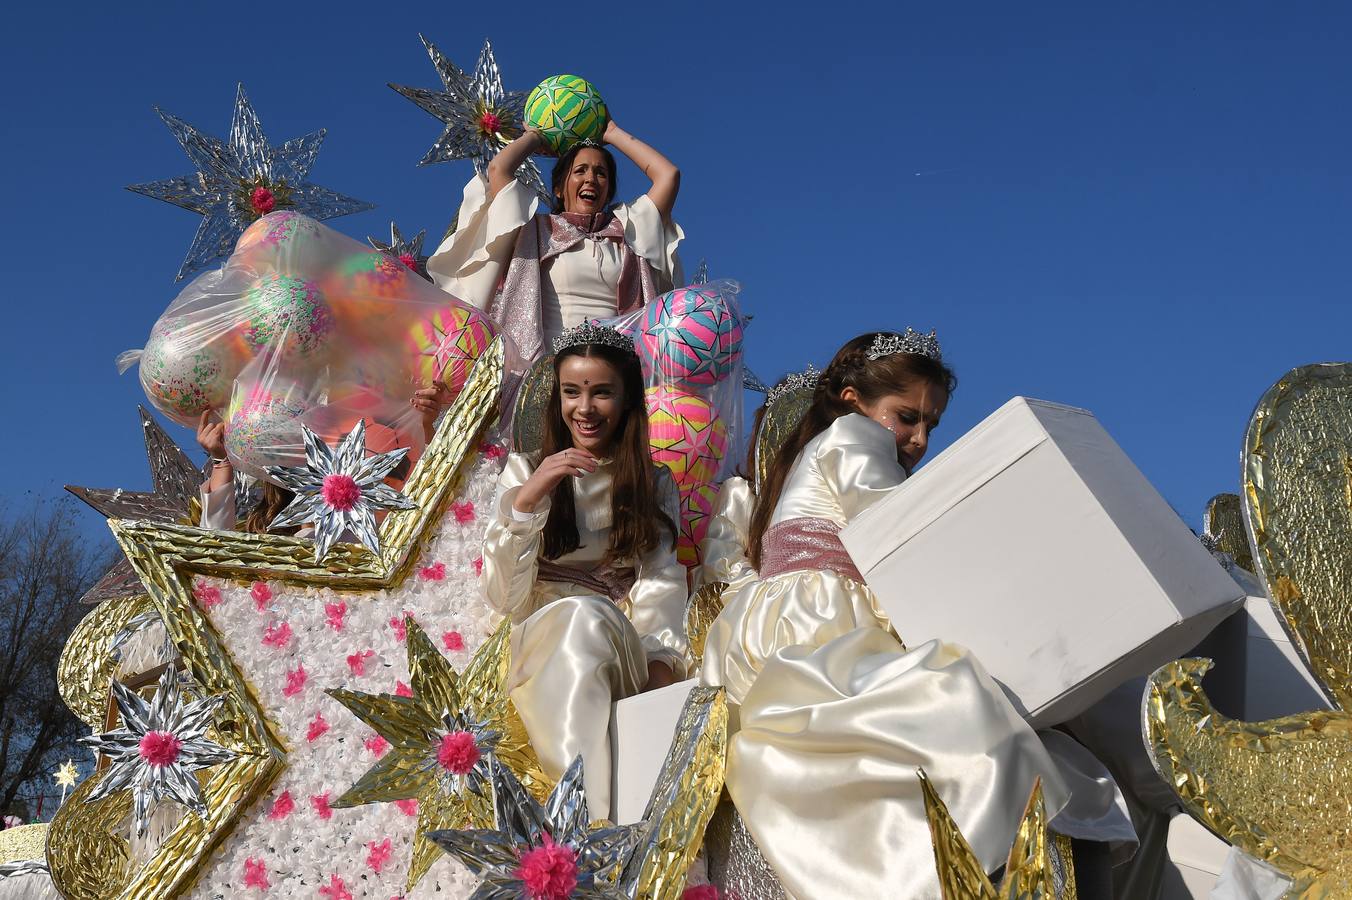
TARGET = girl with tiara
(836,713)
(580,552)
(538,274)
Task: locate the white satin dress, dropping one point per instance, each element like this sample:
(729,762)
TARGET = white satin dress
(575,651)
(836,714)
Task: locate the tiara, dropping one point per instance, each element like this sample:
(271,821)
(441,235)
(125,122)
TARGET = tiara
(792,383)
(591,332)
(890,344)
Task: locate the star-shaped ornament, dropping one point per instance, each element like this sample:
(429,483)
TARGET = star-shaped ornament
(408,252)
(339,490)
(161,745)
(543,850)
(66,774)
(441,740)
(242,179)
(480,116)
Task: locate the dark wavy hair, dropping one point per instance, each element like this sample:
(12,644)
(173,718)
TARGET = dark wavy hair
(871,379)
(565,165)
(636,513)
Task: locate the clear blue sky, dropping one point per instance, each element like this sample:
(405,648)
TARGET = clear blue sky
(1141,211)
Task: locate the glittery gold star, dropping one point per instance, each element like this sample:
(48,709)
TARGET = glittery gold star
(66,774)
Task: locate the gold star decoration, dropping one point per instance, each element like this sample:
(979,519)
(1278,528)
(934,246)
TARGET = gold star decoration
(1280,790)
(66,774)
(443,706)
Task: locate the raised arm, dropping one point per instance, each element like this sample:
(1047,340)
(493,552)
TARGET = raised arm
(666,178)
(503,168)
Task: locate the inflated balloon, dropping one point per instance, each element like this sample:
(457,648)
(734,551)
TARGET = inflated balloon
(184,375)
(446,344)
(685,434)
(281,232)
(566,109)
(288,316)
(691,336)
(698,503)
(262,426)
(374,274)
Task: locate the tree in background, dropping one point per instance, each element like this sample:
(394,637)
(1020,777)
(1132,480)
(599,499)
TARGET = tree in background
(46,564)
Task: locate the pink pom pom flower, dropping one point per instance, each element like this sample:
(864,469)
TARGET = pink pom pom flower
(256,874)
(295,681)
(454,641)
(458,753)
(160,748)
(548,872)
(379,855)
(340,491)
(282,807)
(208,595)
(334,613)
(320,802)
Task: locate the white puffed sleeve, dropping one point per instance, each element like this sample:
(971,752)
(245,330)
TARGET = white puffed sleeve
(512,544)
(723,555)
(657,599)
(218,507)
(472,261)
(857,459)
(655,239)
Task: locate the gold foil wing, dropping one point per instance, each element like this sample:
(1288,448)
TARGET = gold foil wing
(88,662)
(704,606)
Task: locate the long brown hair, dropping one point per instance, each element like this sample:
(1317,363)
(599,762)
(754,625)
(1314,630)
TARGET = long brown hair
(871,379)
(634,507)
(559,176)
(273,500)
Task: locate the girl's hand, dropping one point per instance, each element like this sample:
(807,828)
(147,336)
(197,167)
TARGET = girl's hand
(429,402)
(612,129)
(552,470)
(211,436)
(659,676)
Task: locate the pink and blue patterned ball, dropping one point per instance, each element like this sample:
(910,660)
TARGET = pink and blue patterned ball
(690,336)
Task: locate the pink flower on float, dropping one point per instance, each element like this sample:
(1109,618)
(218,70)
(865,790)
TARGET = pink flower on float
(262,201)
(377,745)
(464,512)
(400,626)
(277,635)
(320,802)
(317,727)
(380,855)
(490,122)
(340,491)
(208,595)
(548,872)
(402,690)
(701,892)
(295,681)
(282,807)
(454,641)
(261,593)
(256,874)
(409,260)
(434,572)
(493,451)
(336,889)
(458,753)
(407,807)
(334,613)
(356,662)
(478,565)
(160,748)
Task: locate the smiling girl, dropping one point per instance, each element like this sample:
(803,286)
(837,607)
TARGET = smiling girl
(580,553)
(538,274)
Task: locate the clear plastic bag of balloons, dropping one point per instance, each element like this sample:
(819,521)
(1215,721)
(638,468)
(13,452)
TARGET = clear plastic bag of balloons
(690,344)
(302,324)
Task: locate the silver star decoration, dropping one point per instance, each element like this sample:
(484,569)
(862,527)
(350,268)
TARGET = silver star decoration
(523,824)
(701,273)
(480,116)
(230,172)
(334,473)
(166,713)
(405,250)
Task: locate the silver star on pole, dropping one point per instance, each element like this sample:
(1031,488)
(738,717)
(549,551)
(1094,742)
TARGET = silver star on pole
(409,252)
(480,116)
(161,744)
(339,489)
(523,825)
(239,180)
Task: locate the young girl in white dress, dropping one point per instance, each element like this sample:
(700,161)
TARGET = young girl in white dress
(580,552)
(836,713)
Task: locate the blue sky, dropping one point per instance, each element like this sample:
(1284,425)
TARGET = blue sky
(1141,211)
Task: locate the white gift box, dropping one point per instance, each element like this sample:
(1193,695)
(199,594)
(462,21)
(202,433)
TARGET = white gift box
(1036,543)
(641,731)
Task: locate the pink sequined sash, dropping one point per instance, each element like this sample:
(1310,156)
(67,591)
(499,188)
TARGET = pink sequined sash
(805,544)
(604,580)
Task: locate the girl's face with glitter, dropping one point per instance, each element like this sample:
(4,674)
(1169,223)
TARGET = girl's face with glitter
(910,415)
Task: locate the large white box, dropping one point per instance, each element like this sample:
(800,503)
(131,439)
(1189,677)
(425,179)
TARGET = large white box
(642,728)
(1037,544)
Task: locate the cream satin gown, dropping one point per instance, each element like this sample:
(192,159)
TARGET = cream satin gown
(836,714)
(575,652)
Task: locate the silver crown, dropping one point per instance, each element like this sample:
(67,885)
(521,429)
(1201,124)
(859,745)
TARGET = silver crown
(890,344)
(591,332)
(792,383)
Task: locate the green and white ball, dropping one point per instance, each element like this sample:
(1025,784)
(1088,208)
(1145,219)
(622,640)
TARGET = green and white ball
(186,371)
(288,316)
(566,109)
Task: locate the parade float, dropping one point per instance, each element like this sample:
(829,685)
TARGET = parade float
(326,714)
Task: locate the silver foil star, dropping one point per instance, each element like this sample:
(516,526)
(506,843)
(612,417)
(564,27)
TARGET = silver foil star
(480,116)
(408,252)
(524,825)
(241,179)
(161,744)
(339,489)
